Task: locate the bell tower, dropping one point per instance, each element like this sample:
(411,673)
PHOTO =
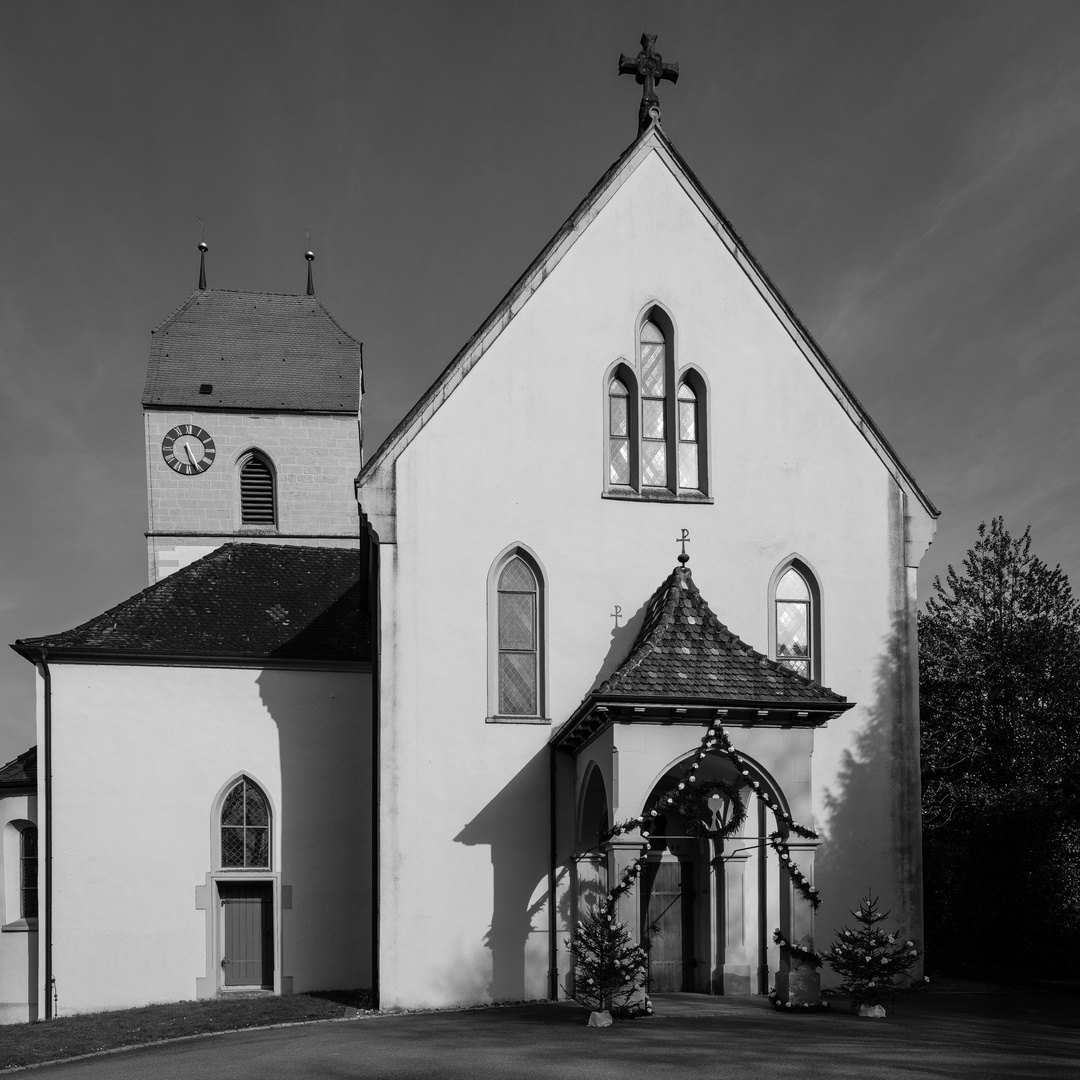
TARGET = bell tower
(252,421)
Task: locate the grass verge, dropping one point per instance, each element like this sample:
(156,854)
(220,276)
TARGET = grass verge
(86,1033)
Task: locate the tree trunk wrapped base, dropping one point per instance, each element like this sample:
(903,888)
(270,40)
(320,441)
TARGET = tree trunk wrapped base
(600,1019)
(875,1011)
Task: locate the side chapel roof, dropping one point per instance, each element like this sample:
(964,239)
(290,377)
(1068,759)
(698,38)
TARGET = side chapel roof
(274,352)
(242,602)
(685,656)
(651,137)
(20,772)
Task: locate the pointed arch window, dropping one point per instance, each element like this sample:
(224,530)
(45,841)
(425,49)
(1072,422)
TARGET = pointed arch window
(654,421)
(516,683)
(689,473)
(245,828)
(618,433)
(795,621)
(258,504)
(28,872)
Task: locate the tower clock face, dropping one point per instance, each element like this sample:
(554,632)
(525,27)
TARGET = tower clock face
(188,449)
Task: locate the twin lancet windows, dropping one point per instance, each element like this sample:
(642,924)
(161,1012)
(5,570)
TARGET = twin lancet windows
(656,436)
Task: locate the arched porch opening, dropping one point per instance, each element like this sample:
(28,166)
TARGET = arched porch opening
(708,904)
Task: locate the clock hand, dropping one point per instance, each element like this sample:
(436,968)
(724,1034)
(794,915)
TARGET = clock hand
(191,456)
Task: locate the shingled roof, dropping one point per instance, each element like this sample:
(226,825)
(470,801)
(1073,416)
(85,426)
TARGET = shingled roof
(684,650)
(268,351)
(254,602)
(21,772)
(683,657)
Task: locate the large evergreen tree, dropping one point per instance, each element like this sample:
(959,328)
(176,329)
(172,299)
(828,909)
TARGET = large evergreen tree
(999,666)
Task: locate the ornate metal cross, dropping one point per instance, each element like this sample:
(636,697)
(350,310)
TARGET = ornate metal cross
(648,68)
(684,539)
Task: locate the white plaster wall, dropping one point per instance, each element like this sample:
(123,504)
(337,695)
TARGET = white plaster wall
(18,948)
(139,755)
(516,454)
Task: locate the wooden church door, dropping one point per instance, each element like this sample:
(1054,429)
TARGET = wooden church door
(247,911)
(668,922)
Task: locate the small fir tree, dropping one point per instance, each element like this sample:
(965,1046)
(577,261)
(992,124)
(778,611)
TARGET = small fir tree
(609,969)
(872,964)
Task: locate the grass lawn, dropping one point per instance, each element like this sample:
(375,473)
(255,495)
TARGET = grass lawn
(69,1036)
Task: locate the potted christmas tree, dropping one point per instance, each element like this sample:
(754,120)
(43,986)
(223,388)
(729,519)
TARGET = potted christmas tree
(874,965)
(609,969)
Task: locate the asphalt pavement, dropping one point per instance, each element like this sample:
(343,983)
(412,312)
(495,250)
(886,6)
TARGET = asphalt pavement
(1024,1036)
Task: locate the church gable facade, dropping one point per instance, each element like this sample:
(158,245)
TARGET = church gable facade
(642,379)
(403,737)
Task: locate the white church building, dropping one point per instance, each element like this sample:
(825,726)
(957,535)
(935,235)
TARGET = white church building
(378,716)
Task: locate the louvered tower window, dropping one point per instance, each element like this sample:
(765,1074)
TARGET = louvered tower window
(257,504)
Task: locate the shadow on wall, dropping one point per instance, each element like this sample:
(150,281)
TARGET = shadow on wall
(885,759)
(324,817)
(622,641)
(515,824)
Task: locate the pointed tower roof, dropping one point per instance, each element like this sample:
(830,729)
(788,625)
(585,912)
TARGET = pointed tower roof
(685,663)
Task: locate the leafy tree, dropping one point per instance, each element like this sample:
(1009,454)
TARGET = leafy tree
(999,667)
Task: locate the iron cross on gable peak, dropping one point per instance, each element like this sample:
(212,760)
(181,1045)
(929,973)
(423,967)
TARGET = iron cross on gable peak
(648,68)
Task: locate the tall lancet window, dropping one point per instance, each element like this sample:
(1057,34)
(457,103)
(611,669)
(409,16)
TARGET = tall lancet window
(794,622)
(654,463)
(688,437)
(619,432)
(245,828)
(518,668)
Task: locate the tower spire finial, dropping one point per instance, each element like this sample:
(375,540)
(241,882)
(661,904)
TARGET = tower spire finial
(648,68)
(310,256)
(203,249)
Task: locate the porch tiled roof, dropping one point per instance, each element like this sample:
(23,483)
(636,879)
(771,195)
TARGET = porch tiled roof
(684,651)
(20,772)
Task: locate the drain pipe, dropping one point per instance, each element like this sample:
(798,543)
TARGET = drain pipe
(46,677)
(553,953)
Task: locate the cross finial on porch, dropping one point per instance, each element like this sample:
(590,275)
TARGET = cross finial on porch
(648,68)
(684,539)
(616,615)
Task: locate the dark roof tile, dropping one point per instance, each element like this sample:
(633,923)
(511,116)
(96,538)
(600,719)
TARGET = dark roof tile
(21,771)
(683,650)
(254,601)
(268,351)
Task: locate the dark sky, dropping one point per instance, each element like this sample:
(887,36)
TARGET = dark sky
(906,172)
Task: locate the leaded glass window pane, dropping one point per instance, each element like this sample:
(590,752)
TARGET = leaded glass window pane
(517,619)
(517,577)
(652,333)
(619,457)
(29,874)
(792,629)
(652,369)
(654,464)
(232,812)
(792,587)
(619,410)
(245,828)
(800,667)
(688,465)
(517,684)
(255,807)
(687,420)
(652,418)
